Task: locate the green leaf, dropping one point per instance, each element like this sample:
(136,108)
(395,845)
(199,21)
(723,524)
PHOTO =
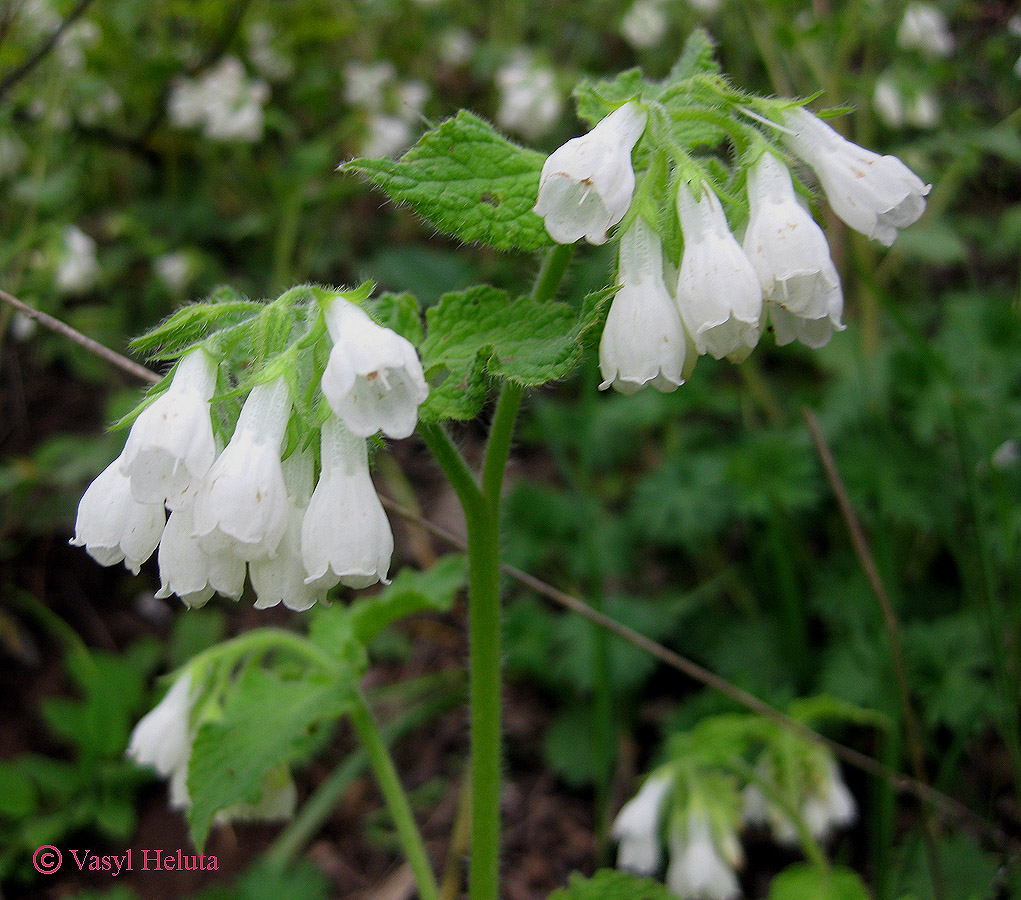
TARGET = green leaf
(468,181)
(18,795)
(267,721)
(482,332)
(825,708)
(697,58)
(802,880)
(611,884)
(597,99)
(398,312)
(300,882)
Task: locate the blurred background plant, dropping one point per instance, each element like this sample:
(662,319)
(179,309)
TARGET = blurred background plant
(150,151)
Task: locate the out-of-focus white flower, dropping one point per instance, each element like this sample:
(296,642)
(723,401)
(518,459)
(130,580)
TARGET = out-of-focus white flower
(888,102)
(113,526)
(718,291)
(706,7)
(644,24)
(373,380)
(22,326)
(820,796)
(456,47)
(412,96)
(224,101)
(77,268)
(38,17)
(873,194)
(925,28)
(269,62)
(637,826)
(192,572)
(162,737)
(530,102)
(386,135)
(1006,456)
(644,341)
(787,249)
(170,446)
(243,501)
(282,577)
(698,868)
(102,106)
(175,269)
(345,535)
(365,84)
(924,110)
(587,184)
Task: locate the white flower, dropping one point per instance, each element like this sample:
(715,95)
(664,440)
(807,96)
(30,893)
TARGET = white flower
(787,249)
(889,102)
(386,135)
(269,61)
(192,572)
(224,101)
(924,110)
(365,84)
(243,500)
(345,535)
(697,867)
(282,577)
(456,47)
(925,28)
(586,185)
(718,291)
(814,333)
(644,24)
(77,268)
(637,826)
(828,804)
(1006,456)
(161,738)
(644,341)
(873,194)
(170,446)
(175,270)
(113,526)
(529,101)
(373,379)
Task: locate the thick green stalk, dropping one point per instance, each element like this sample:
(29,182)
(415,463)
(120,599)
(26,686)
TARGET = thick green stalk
(396,799)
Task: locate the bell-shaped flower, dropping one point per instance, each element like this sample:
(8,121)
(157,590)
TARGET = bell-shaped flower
(873,194)
(786,247)
(829,804)
(194,572)
(345,535)
(112,525)
(699,868)
(373,380)
(161,738)
(644,341)
(586,185)
(170,446)
(281,578)
(242,503)
(718,291)
(637,826)
(814,333)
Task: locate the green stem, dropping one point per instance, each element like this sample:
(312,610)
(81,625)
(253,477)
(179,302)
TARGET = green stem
(498,448)
(396,799)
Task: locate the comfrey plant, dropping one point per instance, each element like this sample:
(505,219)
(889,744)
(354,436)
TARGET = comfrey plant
(249,463)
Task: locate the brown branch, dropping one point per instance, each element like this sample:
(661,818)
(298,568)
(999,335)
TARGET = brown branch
(902,783)
(43,50)
(72,334)
(868,564)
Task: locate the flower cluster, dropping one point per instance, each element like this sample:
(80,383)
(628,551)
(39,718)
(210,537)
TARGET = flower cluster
(723,293)
(697,812)
(392,107)
(242,509)
(224,101)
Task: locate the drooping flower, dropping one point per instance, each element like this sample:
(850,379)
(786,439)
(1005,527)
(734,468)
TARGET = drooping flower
(644,341)
(925,28)
(873,194)
(345,535)
(637,826)
(373,380)
(587,184)
(194,572)
(112,525)
(161,738)
(281,578)
(718,291)
(242,502)
(170,446)
(699,868)
(788,251)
